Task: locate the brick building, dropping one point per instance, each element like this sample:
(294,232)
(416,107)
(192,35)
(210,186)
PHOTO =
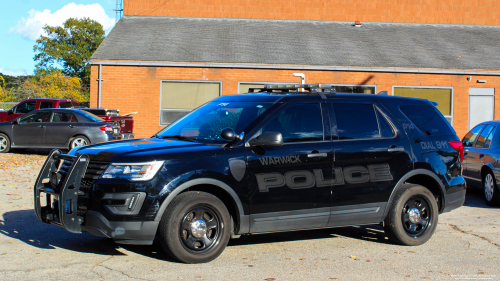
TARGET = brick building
(164,58)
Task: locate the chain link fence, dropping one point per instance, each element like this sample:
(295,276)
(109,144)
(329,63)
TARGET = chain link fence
(7,105)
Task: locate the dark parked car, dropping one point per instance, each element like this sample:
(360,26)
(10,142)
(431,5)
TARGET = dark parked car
(482,159)
(56,128)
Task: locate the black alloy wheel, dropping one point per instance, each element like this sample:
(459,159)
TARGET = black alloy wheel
(412,216)
(415,216)
(200,229)
(195,227)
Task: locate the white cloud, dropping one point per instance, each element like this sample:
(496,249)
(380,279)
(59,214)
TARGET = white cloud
(12,73)
(31,28)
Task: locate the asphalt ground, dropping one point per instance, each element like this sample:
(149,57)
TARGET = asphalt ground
(465,246)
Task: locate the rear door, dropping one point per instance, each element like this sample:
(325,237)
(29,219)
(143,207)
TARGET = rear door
(372,153)
(30,129)
(290,185)
(64,125)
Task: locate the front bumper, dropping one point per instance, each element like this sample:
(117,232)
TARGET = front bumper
(65,196)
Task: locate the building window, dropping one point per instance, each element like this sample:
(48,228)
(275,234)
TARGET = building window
(442,95)
(355,89)
(180,97)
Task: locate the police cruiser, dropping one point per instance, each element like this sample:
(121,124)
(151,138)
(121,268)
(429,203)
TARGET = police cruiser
(280,158)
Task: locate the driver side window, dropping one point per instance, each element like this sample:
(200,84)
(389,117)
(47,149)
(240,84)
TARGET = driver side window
(43,116)
(25,107)
(298,123)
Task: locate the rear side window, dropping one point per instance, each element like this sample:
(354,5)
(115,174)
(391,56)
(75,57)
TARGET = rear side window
(484,139)
(471,136)
(65,104)
(427,119)
(356,121)
(46,104)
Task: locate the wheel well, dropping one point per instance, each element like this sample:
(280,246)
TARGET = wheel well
(225,197)
(430,184)
(484,169)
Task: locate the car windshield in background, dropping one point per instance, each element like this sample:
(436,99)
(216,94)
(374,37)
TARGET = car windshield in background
(91,116)
(207,122)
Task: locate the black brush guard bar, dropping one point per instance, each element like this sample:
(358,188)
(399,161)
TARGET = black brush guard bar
(65,189)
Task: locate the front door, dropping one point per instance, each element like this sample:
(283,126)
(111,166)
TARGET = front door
(476,154)
(30,129)
(290,185)
(372,153)
(468,142)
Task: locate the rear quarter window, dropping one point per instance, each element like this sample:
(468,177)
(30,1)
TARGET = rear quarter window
(430,121)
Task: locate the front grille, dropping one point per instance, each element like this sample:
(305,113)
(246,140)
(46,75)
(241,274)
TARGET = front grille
(94,171)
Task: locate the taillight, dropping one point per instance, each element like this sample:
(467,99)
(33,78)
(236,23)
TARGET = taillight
(458,146)
(106,128)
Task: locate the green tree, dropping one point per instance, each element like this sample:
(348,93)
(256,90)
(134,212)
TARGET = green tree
(68,47)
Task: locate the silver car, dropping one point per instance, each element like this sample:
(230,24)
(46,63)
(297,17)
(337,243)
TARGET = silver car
(482,160)
(56,128)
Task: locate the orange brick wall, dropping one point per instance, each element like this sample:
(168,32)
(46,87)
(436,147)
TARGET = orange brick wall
(136,88)
(486,12)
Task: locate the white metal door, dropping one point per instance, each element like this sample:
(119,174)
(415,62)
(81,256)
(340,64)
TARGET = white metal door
(481,105)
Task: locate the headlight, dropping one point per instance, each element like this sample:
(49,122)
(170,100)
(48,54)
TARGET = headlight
(132,171)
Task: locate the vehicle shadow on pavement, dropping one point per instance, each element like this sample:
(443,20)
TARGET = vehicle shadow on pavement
(475,198)
(24,226)
(373,233)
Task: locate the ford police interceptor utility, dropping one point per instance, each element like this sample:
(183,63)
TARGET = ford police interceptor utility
(275,159)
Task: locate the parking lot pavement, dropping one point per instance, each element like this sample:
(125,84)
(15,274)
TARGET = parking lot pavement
(466,246)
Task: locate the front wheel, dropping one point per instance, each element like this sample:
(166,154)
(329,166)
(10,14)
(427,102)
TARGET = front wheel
(413,216)
(490,188)
(195,228)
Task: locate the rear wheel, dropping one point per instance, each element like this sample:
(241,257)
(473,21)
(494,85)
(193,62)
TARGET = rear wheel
(78,141)
(195,228)
(4,143)
(490,188)
(412,217)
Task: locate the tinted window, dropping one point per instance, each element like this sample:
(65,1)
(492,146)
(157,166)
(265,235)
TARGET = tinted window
(385,128)
(356,121)
(46,104)
(63,117)
(427,119)
(471,136)
(43,116)
(481,140)
(26,107)
(65,104)
(300,122)
(489,138)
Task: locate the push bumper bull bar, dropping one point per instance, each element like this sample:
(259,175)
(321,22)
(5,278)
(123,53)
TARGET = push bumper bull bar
(61,193)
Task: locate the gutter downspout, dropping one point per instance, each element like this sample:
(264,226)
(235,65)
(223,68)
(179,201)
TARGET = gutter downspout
(302,78)
(99,86)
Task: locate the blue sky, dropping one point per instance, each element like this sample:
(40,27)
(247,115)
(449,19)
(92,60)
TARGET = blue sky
(21,22)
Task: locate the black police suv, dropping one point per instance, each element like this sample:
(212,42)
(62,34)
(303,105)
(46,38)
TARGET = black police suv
(274,160)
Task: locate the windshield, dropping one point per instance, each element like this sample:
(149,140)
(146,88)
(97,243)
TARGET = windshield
(207,122)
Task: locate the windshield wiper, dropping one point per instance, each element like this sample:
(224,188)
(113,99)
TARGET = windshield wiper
(179,137)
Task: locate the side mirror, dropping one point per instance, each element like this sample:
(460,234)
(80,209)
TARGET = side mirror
(228,134)
(267,139)
(10,112)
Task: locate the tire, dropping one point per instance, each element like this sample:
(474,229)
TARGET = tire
(412,217)
(490,188)
(4,143)
(195,227)
(78,141)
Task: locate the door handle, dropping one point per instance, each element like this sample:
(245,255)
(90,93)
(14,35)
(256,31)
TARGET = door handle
(316,155)
(396,149)
(481,155)
(41,126)
(71,126)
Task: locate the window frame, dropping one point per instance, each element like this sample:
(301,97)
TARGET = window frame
(181,109)
(432,87)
